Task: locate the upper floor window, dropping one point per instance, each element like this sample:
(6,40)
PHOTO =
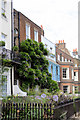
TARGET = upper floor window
(27,31)
(60,56)
(3,37)
(4,8)
(65,60)
(65,73)
(36,35)
(56,70)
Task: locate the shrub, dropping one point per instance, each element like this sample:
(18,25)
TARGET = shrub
(15,48)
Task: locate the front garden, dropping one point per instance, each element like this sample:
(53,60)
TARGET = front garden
(43,94)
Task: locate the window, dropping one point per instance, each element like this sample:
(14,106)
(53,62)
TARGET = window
(16,31)
(36,35)
(65,89)
(76,89)
(74,73)
(56,70)
(27,31)
(3,81)
(65,72)
(65,60)
(60,56)
(3,8)
(3,36)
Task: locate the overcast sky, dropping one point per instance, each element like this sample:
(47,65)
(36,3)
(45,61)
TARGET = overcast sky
(58,17)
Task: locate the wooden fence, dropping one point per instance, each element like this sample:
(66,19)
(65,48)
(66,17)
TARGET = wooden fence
(36,111)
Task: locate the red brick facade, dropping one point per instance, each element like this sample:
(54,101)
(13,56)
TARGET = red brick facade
(65,60)
(20,22)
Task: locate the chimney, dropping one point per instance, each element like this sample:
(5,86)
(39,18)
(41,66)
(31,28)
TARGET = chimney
(75,52)
(61,44)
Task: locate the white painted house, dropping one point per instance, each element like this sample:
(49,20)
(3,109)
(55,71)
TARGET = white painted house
(5,35)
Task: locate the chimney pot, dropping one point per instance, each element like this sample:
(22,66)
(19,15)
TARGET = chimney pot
(61,41)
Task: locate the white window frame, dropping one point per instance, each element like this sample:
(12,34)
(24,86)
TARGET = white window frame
(27,31)
(67,73)
(4,8)
(76,76)
(58,57)
(3,35)
(36,38)
(72,74)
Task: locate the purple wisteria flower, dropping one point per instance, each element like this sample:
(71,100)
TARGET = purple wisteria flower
(43,95)
(55,98)
(37,97)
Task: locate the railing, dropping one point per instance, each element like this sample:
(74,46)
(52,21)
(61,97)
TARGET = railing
(38,111)
(9,55)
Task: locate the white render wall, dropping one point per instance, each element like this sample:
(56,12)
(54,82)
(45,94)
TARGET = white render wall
(5,23)
(49,45)
(5,28)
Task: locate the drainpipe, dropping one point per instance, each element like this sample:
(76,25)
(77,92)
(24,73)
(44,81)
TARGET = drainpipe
(19,29)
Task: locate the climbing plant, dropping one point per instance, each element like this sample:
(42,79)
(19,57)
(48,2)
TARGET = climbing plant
(33,69)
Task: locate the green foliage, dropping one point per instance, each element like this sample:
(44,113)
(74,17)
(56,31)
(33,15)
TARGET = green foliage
(6,62)
(15,48)
(2,43)
(34,65)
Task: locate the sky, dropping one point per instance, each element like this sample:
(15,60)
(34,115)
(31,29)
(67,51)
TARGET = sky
(59,18)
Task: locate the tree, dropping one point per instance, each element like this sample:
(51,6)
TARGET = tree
(34,65)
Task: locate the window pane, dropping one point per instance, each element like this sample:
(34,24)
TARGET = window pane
(35,35)
(27,31)
(3,37)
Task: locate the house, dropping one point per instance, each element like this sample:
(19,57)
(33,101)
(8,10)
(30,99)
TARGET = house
(24,28)
(66,62)
(5,36)
(53,68)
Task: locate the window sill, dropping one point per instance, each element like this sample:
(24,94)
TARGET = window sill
(4,17)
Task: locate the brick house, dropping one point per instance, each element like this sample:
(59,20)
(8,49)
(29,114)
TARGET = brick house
(24,28)
(66,62)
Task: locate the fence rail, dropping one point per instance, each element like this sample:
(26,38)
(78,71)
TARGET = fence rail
(38,111)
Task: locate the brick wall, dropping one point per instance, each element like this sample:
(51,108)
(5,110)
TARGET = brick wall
(23,21)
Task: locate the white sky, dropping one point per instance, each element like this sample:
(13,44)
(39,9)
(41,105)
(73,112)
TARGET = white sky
(58,17)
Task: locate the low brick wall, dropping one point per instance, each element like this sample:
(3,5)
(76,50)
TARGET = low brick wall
(67,110)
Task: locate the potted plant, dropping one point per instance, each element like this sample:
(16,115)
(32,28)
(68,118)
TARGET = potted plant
(4,14)
(2,43)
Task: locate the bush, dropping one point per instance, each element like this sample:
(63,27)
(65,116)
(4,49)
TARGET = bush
(15,48)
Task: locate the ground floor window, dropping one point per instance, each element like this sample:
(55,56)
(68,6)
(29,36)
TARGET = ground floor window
(76,89)
(3,85)
(65,89)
